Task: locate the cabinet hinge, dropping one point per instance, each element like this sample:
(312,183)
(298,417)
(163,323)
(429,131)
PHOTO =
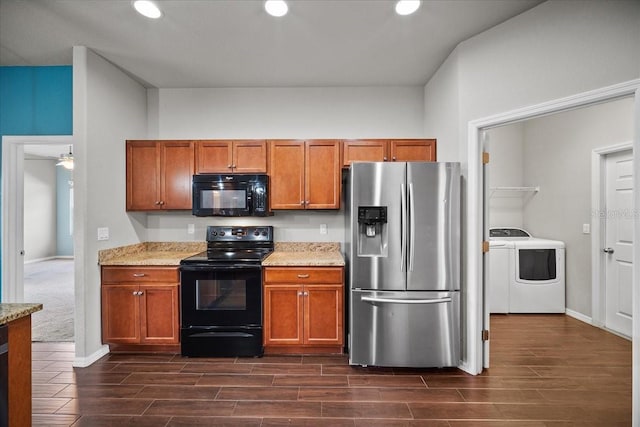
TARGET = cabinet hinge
(485,247)
(485,157)
(485,335)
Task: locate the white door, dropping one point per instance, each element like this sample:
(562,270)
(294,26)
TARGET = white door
(619,242)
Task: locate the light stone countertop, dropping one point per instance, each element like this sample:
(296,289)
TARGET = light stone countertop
(150,253)
(170,253)
(316,254)
(14,311)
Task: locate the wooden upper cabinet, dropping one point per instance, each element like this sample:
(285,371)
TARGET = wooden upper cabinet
(176,173)
(238,156)
(143,172)
(383,150)
(159,175)
(373,150)
(413,150)
(305,174)
(286,174)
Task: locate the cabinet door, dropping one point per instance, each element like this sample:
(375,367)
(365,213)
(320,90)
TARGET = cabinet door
(413,150)
(120,314)
(283,314)
(286,166)
(143,170)
(323,314)
(176,172)
(364,150)
(250,156)
(159,314)
(214,156)
(323,178)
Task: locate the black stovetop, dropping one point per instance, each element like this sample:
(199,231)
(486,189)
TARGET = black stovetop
(246,244)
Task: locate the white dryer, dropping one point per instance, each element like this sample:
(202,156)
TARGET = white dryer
(527,274)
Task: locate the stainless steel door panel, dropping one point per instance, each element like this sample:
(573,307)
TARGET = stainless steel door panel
(378,184)
(434,226)
(410,329)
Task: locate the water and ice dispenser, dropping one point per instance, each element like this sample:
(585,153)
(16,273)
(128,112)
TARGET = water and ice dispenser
(372,231)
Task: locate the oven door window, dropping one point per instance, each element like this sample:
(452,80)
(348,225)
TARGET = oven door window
(219,296)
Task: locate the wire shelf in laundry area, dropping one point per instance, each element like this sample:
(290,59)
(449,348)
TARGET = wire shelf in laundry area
(512,191)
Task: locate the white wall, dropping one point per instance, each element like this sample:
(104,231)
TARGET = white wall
(39,209)
(109,107)
(557,49)
(344,112)
(506,170)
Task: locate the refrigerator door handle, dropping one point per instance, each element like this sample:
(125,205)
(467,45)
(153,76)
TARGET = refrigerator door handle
(412,227)
(407,301)
(403,230)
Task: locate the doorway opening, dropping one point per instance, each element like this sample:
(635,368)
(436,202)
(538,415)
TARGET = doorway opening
(37,252)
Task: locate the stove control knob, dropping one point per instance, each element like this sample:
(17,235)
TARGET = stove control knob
(215,233)
(264,232)
(222,233)
(256,233)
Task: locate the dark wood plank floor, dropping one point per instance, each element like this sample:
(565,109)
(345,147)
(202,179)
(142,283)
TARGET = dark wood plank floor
(547,370)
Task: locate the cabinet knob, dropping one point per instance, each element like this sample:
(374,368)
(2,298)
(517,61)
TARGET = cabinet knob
(306,294)
(135,292)
(307,203)
(233,166)
(161,202)
(384,158)
(138,274)
(303,276)
(300,293)
(157,203)
(140,292)
(230,166)
(302,202)
(394,159)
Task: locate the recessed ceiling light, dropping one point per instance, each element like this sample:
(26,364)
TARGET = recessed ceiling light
(276,7)
(407,7)
(147,8)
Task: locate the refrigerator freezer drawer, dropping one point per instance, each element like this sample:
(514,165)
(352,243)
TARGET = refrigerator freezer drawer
(405,329)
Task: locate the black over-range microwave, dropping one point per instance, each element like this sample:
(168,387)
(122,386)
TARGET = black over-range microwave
(231,195)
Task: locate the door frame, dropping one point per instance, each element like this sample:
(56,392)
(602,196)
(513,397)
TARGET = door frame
(475,202)
(598,194)
(13,207)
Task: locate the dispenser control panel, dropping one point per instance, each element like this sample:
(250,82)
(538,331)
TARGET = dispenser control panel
(372,215)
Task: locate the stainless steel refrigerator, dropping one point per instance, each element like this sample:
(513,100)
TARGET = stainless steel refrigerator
(403,253)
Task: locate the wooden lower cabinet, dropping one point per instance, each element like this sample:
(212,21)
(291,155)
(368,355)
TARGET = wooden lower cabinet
(140,306)
(304,310)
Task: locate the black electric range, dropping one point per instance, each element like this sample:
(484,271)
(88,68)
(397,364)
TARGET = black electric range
(221,293)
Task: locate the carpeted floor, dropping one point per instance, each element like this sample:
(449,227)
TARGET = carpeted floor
(50,282)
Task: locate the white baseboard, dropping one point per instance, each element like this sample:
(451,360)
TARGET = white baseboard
(579,316)
(83,362)
(49,258)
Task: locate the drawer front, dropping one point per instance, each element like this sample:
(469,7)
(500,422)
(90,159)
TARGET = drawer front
(140,274)
(303,275)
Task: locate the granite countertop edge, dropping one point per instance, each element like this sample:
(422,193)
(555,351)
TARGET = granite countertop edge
(14,311)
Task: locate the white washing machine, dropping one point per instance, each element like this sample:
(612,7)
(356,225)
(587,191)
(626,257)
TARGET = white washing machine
(526,274)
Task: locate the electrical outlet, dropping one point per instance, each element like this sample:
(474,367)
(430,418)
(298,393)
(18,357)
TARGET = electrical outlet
(103,233)
(191,228)
(586,228)
(323,228)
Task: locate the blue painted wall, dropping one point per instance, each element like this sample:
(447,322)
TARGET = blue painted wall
(36,101)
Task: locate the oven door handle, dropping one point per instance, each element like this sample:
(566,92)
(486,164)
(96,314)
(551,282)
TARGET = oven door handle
(220,267)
